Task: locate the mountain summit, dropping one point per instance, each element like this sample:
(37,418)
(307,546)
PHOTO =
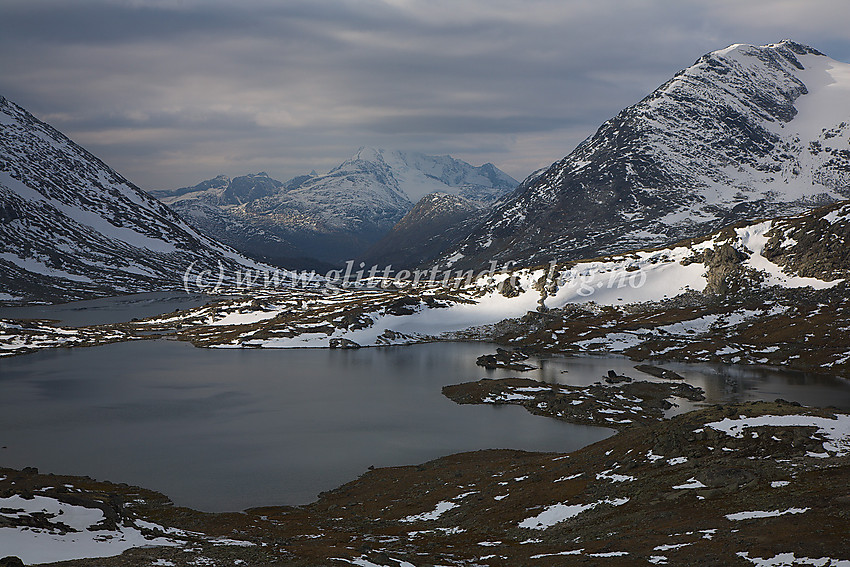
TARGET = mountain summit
(745,132)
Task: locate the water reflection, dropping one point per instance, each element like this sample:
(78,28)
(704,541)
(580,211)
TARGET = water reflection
(722,383)
(229,429)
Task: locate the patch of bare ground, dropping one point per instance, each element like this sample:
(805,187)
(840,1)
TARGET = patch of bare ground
(603,405)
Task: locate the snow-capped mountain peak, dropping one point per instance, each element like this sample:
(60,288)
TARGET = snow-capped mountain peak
(336,215)
(415,174)
(745,132)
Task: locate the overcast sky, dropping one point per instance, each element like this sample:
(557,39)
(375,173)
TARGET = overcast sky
(170,92)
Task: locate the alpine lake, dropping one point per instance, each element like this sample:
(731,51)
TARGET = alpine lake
(230,429)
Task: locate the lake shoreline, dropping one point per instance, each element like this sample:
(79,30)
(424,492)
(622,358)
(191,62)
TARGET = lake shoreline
(679,489)
(660,492)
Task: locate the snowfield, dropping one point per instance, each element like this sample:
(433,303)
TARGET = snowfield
(558,513)
(76,534)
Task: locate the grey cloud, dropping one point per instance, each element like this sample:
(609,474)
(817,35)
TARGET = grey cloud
(466,124)
(169,92)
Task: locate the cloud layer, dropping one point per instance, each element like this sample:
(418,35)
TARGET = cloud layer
(170,92)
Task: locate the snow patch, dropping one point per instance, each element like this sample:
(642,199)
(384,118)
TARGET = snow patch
(834,432)
(758,514)
(434,514)
(85,540)
(691,483)
(558,513)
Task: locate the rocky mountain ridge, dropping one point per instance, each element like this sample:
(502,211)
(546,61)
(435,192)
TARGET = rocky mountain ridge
(436,221)
(746,132)
(72,227)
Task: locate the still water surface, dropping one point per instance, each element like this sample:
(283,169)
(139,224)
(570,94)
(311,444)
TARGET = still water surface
(109,309)
(229,429)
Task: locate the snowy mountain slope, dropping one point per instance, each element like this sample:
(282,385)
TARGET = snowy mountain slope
(335,216)
(257,236)
(746,132)
(72,227)
(415,174)
(222,190)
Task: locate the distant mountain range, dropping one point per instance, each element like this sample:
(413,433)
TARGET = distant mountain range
(332,217)
(745,132)
(71,227)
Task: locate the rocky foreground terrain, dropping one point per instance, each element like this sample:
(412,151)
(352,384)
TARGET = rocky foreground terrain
(748,484)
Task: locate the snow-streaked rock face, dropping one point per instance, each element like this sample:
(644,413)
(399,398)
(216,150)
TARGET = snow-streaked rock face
(72,227)
(415,174)
(335,216)
(746,132)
